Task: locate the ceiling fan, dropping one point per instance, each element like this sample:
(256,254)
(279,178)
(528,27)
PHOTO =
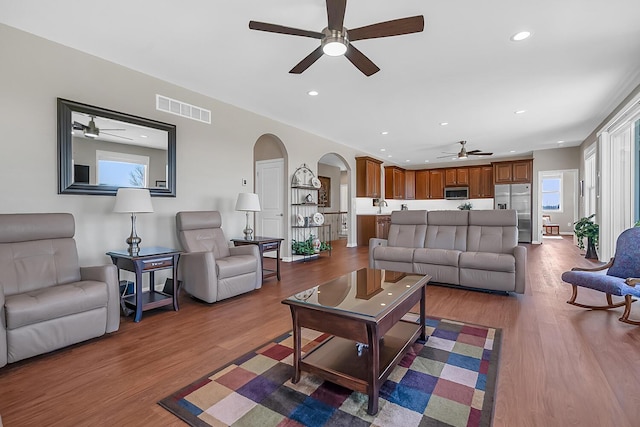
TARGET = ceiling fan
(335,40)
(463,153)
(92,131)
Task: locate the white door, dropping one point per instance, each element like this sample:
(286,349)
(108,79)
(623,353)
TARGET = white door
(270,190)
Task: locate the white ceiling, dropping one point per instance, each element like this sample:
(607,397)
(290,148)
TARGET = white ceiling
(581,61)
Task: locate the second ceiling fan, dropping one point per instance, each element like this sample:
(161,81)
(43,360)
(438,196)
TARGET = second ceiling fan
(463,153)
(335,39)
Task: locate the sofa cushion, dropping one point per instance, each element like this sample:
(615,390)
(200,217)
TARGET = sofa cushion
(407,229)
(236,265)
(447,230)
(54,302)
(436,256)
(488,261)
(386,253)
(492,231)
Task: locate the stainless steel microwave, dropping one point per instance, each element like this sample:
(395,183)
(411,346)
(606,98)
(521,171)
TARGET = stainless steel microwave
(456,193)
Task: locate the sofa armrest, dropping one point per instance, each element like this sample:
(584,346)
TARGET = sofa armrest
(109,275)
(197,272)
(374,243)
(520,254)
(250,250)
(3,330)
(245,250)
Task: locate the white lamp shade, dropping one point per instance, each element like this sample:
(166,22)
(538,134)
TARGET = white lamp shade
(248,202)
(133,200)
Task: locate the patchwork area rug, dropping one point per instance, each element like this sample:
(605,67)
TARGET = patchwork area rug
(449,380)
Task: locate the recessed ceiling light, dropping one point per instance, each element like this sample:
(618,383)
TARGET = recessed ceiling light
(520,112)
(560,142)
(444,123)
(144,136)
(389,155)
(426,161)
(384,132)
(312,93)
(383,149)
(522,35)
(512,151)
(407,161)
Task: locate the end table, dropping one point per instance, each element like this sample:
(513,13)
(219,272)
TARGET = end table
(265,244)
(148,260)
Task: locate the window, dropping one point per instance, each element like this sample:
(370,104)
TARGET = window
(121,169)
(552,193)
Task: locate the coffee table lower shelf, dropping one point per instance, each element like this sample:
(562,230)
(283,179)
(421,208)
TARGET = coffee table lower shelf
(337,360)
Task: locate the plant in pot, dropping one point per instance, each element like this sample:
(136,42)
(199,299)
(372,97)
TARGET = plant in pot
(585,227)
(467,206)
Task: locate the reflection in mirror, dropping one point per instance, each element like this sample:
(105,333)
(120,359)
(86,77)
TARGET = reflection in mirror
(101,150)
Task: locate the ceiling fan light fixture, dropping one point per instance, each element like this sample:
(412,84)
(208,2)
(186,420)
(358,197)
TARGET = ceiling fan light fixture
(91,133)
(335,42)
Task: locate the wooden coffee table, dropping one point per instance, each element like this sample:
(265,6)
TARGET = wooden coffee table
(362,311)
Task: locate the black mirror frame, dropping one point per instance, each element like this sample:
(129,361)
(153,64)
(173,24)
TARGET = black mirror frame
(65,169)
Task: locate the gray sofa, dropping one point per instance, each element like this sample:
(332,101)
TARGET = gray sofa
(475,249)
(47,301)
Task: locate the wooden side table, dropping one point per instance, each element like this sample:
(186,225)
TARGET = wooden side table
(148,260)
(264,244)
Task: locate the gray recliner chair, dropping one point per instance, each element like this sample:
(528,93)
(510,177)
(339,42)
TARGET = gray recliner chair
(209,269)
(47,301)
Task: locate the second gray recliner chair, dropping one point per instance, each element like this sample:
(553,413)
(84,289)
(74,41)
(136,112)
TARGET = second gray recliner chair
(209,269)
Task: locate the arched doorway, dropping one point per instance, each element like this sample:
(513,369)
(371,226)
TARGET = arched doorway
(335,175)
(270,166)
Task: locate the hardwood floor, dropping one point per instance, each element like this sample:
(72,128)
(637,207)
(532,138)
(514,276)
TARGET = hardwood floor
(560,365)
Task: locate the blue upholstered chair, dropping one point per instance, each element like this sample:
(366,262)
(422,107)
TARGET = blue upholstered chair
(620,279)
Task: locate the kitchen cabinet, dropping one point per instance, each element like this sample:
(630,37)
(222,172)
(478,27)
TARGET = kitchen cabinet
(394,182)
(436,184)
(456,176)
(519,171)
(409,185)
(382,226)
(480,182)
(369,226)
(368,182)
(422,185)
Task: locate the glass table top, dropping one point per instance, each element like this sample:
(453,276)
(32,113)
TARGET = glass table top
(367,292)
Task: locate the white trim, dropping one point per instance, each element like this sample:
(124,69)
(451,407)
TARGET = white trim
(621,118)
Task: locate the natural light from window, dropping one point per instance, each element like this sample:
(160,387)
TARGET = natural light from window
(552,194)
(122,170)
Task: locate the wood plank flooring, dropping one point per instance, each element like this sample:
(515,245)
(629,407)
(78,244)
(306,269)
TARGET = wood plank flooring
(560,365)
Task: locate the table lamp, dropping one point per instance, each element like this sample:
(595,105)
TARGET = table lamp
(133,201)
(248,202)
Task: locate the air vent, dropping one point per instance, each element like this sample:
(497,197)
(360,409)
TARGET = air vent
(183,109)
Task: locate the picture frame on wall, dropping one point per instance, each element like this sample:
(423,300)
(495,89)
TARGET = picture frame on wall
(324,192)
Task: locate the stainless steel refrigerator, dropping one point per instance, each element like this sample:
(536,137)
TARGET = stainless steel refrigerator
(518,197)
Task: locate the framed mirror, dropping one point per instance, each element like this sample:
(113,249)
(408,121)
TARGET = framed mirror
(101,150)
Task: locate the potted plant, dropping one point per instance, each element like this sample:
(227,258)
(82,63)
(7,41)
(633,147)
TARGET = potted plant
(467,206)
(585,227)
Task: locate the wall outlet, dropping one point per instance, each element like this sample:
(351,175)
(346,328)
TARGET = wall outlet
(244,182)
(569,224)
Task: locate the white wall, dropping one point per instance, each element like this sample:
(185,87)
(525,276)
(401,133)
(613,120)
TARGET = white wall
(211,159)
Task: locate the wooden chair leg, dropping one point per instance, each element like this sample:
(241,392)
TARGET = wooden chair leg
(610,302)
(627,310)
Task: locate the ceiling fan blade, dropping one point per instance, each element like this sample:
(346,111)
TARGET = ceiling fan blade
(479,153)
(79,126)
(448,155)
(274,28)
(117,136)
(473,151)
(335,14)
(307,62)
(361,62)
(396,27)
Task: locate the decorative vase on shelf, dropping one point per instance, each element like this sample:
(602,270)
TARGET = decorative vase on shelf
(316,245)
